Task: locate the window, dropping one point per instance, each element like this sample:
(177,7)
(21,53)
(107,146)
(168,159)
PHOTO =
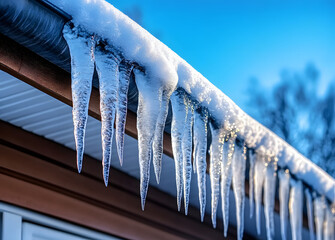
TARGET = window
(21,224)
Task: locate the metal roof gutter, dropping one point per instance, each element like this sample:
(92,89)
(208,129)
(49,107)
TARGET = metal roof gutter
(37,25)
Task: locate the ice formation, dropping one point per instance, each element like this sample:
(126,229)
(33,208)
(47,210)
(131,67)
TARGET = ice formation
(295,207)
(309,205)
(115,51)
(328,232)
(319,215)
(164,98)
(259,180)
(200,152)
(252,159)
(177,131)
(269,196)
(81,47)
(107,65)
(226,176)
(284,191)
(239,162)
(187,150)
(216,156)
(152,110)
(125,70)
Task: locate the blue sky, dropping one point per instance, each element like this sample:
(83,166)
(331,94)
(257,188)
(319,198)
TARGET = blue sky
(231,41)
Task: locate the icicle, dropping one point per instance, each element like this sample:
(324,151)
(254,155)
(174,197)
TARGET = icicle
(328,231)
(295,207)
(218,138)
(187,151)
(309,204)
(81,47)
(107,68)
(226,176)
(239,162)
(284,190)
(177,130)
(269,196)
(147,115)
(125,70)
(200,150)
(164,98)
(259,180)
(153,102)
(319,214)
(252,159)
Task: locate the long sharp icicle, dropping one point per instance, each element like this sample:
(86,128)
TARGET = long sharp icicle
(200,150)
(81,47)
(147,115)
(295,207)
(125,69)
(319,215)
(309,205)
(252,159)
(328,231)
(259,181)
(269,197)
(164,97)
(284,192)
(177,130)
(218,138)
(187,151)
(226,176)
(239,162)
(107,68)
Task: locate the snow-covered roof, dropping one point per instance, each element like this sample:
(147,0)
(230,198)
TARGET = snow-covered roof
(103,38)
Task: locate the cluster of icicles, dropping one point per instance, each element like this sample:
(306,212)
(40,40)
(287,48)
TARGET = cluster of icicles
(191,123)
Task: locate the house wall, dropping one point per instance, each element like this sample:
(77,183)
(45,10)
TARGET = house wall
(41,175)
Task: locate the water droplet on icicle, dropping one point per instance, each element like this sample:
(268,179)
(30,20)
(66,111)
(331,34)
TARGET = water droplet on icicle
(107,64)
(238,167)
(284,190)
(81,47)
(295,207)
(125,69)
(218,138)
(200,151)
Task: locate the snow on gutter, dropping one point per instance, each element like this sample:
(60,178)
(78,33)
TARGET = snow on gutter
(101,37)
